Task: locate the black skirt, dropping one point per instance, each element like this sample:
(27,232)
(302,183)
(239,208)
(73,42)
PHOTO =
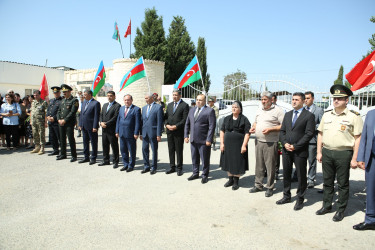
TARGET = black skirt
(232,160)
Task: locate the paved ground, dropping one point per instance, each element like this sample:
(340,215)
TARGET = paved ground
(49,204)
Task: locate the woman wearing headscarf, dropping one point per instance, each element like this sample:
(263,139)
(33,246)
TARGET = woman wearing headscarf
(10,111)
(234,136)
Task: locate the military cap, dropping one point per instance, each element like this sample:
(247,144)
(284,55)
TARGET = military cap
(211,99)
(65,87)
(56,89)
(339,90)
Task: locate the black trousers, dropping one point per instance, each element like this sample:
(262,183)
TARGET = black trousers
(176,147)
(110,139)
(67,131)
(301,169)
(11,131)
(54,136)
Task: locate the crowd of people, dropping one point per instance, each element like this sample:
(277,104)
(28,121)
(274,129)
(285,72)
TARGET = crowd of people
(306,134)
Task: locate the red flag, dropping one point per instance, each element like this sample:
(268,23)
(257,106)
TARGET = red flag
(43,88)
(363,73)
(129,30)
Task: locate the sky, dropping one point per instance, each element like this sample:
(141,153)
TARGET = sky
(300,41)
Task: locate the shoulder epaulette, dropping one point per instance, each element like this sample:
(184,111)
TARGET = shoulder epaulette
(355,112)
(329,110)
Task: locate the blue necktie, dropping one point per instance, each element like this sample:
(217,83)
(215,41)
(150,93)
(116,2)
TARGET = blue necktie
(174,108)
(109,106)
(148,110)
(295,118)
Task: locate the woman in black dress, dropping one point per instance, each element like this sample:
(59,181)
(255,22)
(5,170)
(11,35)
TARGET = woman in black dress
(234,136)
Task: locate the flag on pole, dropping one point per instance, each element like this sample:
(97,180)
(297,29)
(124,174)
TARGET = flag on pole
(116,34)
(129,30)
(191,74)
(363,73)
(99,80)
(44,88)
(137,72)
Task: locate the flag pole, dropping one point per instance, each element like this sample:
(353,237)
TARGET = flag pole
(130,45)
(200,72)
(121,48)
(148,83)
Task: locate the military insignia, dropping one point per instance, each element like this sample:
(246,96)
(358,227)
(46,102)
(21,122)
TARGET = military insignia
(354,112)
(337,91)
(55,89)
(76,104)
(343,127)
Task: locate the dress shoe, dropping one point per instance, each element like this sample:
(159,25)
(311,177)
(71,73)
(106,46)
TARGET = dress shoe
(170,171)
(124,168)
(145,170)
(310,184)
(129,170)
(298,205)
(180,172)
(204,179)
(60,157)
(338,216)
(364,226)
(103,163)
(283,201)
(193,177)
(84,160)
(73,159)
(115,165)
(323,211)
(92,162)
(269,193)
(48,143)
(254,190)
(235,186)
(54,153)
(153,171)
(229,183)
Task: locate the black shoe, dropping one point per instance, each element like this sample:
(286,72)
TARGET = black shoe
(364,226)
(193,177)
(298,205)
(179,172)
(170,171)
(54,153)
(145,170)
(48,143)
(129,170)
(229,183)
(323,211)
(283,201)
(73,159)
(84,160)
(235,187)
(255,190)
(269,193)
(104,163)
(92,162)
(60,157)
(124,168)
(204,179)
(115,165)
(153,171)
(338,216)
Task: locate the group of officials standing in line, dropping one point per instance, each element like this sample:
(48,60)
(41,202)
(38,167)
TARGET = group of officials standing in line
(305,134)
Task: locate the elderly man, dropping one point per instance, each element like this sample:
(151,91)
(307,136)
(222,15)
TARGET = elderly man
(38,122)
(266,127)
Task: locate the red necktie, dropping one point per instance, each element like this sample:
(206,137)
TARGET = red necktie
(126,111)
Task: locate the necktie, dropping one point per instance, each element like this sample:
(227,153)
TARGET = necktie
(308,108)
(196,114)
(295,118)
(87,104)
(148,110)
(174,107)
(126,111)
(109,106)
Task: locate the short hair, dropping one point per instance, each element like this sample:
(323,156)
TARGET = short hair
(37,92)
(177,91)
(267,94)
(309,93)
(300,94)
(129,95)
(18,95)
(88,92)
(10,90)
(11,96)
(202,95)
(274,96)
(111,92)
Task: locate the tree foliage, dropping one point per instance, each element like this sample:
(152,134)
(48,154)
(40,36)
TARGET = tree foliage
(235,87)
(202,58)
(372,39)
(340,77)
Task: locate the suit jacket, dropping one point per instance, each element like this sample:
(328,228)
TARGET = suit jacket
(365,145)
(177,118)
(318,113)
(300,135)
(130,125)
(203,128)
(89,117)
(110,116)
(152,126)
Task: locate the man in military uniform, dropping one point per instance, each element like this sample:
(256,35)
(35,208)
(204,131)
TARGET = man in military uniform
(53,125)
(38,122)
(337,148)
(211,103)
(66,117)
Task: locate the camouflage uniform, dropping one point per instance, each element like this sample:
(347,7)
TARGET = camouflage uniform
(38,120)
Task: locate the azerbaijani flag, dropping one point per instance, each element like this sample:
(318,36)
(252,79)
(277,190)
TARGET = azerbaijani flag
(99,79)
(137,72)
(191,74)
(116,34)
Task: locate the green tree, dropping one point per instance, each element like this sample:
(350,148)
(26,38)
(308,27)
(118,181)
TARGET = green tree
(202,58)
(149,41)
(180,50)
(340,78)
(372,39)
(235,87)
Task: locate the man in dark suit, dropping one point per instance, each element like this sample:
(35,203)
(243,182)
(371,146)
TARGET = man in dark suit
(200,124)
(366,161)
(152,127)
(296,131)
(108,118)
(128,127)
(89,124)
(175,119)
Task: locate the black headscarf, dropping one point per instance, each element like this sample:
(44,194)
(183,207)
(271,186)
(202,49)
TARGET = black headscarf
(234,123)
